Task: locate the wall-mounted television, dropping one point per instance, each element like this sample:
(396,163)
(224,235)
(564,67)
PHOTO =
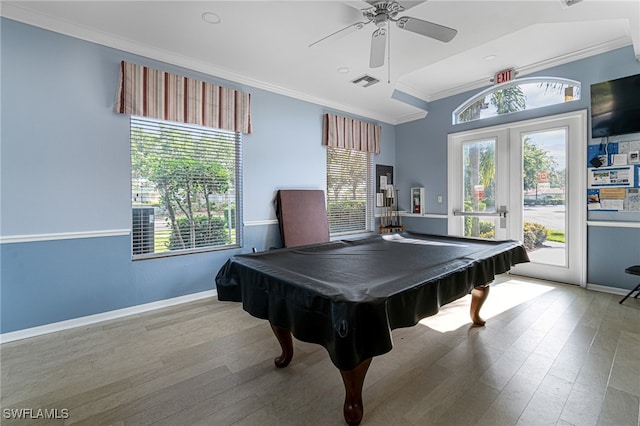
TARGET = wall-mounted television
(615,107)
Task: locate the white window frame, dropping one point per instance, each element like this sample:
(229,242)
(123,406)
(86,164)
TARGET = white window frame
(517,82)
(141,246)
(369,214)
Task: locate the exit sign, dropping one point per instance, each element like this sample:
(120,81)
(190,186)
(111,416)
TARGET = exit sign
(503,76)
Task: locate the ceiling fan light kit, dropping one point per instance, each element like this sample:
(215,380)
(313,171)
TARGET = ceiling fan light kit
(383,12)
(568,3)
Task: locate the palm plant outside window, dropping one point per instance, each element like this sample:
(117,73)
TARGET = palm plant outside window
(517,95)
(479,157)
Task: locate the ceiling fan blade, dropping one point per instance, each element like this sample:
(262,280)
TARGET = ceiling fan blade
(341,33)
(408,4)
(378,46)
(425,28)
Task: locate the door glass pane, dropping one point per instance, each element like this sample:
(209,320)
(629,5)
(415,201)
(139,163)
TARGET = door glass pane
(479,160)
(544,186)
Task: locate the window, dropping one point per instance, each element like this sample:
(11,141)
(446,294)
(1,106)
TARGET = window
(185,188)
(517,95)
(479,174)
(349,191)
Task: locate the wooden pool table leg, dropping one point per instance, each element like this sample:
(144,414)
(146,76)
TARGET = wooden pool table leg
(353,381)
(286,343)
(478,296)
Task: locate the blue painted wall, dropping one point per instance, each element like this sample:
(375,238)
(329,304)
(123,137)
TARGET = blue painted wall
(65,168)
(421,155)
(609,252)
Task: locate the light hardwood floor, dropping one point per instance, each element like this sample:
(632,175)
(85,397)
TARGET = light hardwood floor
(550,354)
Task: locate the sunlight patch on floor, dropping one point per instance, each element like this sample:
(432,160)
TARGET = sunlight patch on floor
(502,297)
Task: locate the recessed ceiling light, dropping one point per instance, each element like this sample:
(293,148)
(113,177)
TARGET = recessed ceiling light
(343,70)
(490,57)
(211,18)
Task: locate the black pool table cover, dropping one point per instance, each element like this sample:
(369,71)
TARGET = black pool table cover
(348,295)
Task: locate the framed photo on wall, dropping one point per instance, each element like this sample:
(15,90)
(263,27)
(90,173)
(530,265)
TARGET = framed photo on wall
(384,180)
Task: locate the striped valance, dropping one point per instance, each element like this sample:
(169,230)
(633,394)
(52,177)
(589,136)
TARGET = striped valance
(343,132)
(148,92)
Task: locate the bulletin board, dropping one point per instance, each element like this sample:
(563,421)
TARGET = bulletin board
(613,171)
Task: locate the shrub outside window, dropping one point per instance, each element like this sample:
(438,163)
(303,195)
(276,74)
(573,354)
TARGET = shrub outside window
(349,191)
(185,188)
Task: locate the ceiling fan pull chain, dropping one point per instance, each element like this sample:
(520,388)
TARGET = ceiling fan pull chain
(389,55)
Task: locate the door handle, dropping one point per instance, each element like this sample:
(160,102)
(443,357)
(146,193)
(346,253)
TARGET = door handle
(503,216)
(501,213)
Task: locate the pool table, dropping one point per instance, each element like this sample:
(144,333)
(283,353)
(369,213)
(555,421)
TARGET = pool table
(348,295)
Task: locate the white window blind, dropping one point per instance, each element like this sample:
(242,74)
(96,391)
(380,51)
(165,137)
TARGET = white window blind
(185,188)
(349,191)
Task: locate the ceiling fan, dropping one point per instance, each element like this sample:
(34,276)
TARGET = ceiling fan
(383,12)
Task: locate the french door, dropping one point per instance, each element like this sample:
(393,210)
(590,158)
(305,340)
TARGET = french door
(524,181)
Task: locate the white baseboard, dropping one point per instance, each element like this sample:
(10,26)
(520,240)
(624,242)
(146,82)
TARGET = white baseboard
(606,289)
(119,313)
(104,316)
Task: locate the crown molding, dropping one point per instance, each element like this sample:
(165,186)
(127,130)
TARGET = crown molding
(17,12)
(412,91)
(411,117)
(529,69)
(27,16)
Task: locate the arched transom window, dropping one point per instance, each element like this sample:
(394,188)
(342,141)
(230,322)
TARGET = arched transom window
(517,95)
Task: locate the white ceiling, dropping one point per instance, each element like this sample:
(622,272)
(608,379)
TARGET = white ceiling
(265,43)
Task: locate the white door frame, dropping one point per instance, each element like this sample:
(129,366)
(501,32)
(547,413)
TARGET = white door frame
(510,168)
(455,180)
